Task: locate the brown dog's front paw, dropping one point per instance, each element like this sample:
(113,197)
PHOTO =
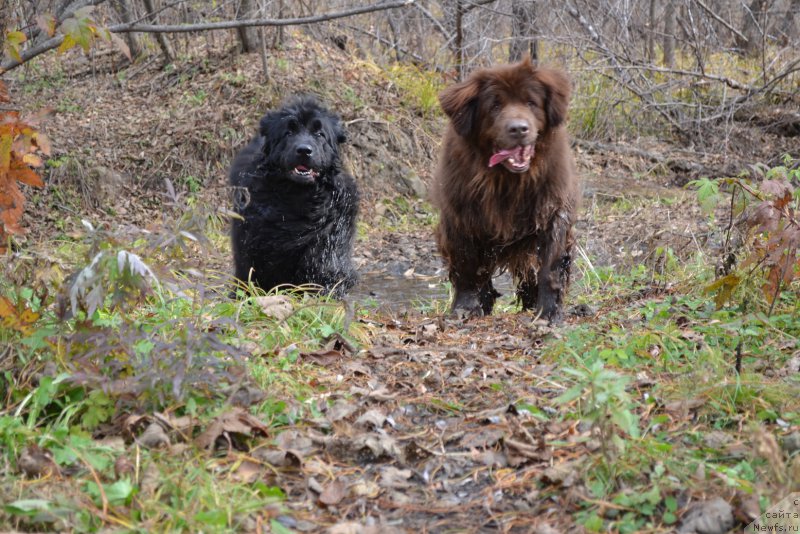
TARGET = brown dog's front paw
(467,304)
(551,309)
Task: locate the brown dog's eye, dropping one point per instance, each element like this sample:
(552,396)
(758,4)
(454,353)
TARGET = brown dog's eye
(531,104)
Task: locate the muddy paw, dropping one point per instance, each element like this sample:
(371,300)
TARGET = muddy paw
(467,304)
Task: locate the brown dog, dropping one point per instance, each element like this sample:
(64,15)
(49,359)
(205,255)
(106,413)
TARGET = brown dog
(506,187)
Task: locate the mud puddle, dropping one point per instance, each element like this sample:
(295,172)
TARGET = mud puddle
(397,293)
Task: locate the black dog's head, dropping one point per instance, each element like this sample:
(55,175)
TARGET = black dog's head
(301,140)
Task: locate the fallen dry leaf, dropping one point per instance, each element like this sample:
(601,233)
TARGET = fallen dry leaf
(708,517)
(392,477)
(366,488)
(340,410)
(323,358)
(278,458)
(153,437)
(276,306)
(124,467)
(235,421)
(682,408)
(371,419)
(35,461)
(248,472)
(333,493)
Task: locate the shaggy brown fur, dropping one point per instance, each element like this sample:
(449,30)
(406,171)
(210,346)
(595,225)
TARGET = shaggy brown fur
(506,187)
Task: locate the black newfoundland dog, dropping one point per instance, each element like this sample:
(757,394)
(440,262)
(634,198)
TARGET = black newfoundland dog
(298,206)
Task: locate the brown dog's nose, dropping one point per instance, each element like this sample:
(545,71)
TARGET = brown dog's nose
(518,127)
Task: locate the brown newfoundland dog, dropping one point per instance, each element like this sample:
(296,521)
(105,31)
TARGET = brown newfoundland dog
(506,188)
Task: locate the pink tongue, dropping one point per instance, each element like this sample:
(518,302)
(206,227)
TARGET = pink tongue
(503,155)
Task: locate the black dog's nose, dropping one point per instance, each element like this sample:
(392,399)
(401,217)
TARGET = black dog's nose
(304,150)
(518,127)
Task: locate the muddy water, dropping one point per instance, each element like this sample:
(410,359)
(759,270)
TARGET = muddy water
(404,271)
(398,292)
(391,292)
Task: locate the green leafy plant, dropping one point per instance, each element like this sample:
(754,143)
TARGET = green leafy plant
(604,403)
(766,211)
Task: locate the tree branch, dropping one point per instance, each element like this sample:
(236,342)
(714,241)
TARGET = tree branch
(30,53)
(231,24)
(722,21)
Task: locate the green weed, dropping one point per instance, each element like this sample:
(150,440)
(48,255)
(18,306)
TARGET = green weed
(403,214)
(418,89)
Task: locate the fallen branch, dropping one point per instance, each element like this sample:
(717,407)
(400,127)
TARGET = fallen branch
(675,164)
(30,53)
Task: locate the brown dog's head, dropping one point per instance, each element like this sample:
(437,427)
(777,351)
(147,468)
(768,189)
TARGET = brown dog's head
(503,110)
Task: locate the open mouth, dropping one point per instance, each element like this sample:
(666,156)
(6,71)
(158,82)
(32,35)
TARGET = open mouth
(517,159)
(304,174)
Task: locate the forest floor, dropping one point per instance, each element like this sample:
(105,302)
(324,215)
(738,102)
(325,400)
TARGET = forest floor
(383,413)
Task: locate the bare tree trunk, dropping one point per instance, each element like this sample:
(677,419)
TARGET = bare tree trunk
(247,36)
(278,43)
(5,21)
(753,27)
(123,9)
(163,42)
(788,27)
(669,33)
(460,40)
(390,18)
(523,31)
(262,37)
(651,32)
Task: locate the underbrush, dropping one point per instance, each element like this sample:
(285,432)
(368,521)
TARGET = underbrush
(132,380)
(686,376)
(144,339)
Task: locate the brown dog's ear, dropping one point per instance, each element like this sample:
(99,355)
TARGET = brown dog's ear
(460,103)
(558,91)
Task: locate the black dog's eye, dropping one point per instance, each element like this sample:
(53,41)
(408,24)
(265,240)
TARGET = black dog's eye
(316,128)
(292,127)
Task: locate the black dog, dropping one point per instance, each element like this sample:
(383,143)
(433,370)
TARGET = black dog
(298,206)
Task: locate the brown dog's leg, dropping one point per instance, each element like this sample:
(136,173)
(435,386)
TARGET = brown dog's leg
(544,290)
(471,268)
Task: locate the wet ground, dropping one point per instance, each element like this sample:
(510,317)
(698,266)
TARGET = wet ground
(624,221)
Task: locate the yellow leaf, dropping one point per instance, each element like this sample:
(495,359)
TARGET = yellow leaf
(42,141)
(68,43)
(5,151)
(20,320)
(7,308)
(33,160)
(47,23)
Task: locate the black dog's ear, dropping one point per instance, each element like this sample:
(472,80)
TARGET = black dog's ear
(341,133)
(268,123)
(460,103)
(558,89)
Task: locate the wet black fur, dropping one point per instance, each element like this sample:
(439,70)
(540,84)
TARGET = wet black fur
(296,229)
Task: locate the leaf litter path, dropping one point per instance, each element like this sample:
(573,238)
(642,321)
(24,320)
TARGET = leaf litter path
(437,427)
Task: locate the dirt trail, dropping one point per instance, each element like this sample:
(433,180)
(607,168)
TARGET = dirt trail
(435,428)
